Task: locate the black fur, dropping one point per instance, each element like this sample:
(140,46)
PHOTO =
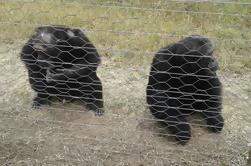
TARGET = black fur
(183,80)
(62,62)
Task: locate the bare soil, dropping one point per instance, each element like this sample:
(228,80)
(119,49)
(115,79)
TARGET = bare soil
(67,134)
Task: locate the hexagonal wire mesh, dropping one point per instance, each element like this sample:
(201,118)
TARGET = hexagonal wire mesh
(154,82)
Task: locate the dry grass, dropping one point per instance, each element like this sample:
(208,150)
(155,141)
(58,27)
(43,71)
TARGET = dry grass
(66,134)
(137,28)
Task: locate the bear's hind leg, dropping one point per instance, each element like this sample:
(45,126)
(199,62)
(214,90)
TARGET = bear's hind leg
(180,128)
(41,99)
(214,120)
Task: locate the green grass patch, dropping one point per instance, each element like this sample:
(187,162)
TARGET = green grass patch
(131,31)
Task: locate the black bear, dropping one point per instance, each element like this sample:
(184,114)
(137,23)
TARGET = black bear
(182,81)
(62,63)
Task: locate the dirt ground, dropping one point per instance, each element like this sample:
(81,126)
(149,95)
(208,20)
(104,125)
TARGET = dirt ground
(67,134)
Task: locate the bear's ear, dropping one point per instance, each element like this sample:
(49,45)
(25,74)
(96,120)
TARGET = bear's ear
(166,52)
(39,29)
(44,28)
(181,49)
(171,49)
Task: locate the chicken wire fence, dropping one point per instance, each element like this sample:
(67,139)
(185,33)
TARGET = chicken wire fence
(125,83)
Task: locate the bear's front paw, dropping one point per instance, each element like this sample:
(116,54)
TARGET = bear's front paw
(215,124)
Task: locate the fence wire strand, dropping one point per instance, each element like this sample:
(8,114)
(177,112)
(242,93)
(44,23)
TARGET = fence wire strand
(124,82)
